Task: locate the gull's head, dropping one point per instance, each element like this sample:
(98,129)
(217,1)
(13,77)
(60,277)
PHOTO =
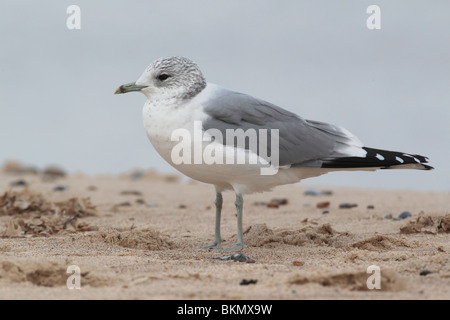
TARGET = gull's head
(168,78)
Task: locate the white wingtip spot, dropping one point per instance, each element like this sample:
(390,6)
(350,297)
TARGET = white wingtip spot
(411,156)
(399,159)
(379,156)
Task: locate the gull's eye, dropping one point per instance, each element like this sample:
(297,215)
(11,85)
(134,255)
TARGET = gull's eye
(163,77)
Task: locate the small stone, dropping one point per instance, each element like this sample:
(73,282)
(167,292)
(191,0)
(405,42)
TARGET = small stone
(280,201)
(325,212)
(123,204)
(59,188)
(388,216)
(370,207)
(298,263)
(120,205)
(18,183)
(322,205)
(182,206)
(312,192)
(347,205)
(239,257)
(261,203)
(425,272)
(140,201)
(403,215)
(246,282)
(273,205)
(92,188)
(131,193)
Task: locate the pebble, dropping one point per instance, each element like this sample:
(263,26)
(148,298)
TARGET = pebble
(182,206)
(123,204)
(280,201)
(325,212)
(313,192)
(273,205)
(298,263)
(403,215)
(140,201)
(239,257)
(261,203)
(425,272)
(322,205)
(370,207)
(388,216)
(347,205)
(131,193)
(246,282)
(18,183)
(59,188)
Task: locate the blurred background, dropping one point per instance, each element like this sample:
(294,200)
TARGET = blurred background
(390,87)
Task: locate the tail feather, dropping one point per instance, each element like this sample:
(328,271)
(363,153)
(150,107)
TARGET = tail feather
(383,159)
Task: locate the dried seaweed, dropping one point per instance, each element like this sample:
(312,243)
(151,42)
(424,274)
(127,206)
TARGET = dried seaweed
(428,224)
(33,215)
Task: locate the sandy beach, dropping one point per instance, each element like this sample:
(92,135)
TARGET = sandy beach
(135,236)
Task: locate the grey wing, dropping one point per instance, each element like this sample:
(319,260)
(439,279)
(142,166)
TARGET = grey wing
(302,143)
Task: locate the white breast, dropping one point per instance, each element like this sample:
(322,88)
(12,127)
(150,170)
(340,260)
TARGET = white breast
(162,118)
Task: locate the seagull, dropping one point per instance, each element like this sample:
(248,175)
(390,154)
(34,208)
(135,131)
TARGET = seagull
(182,107)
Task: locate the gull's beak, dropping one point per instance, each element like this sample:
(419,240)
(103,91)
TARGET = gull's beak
(129,87)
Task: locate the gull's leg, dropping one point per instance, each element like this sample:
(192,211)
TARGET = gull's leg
(240,233)
(217,238)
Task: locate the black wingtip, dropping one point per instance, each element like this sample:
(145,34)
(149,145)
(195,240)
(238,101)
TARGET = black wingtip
(377,158)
